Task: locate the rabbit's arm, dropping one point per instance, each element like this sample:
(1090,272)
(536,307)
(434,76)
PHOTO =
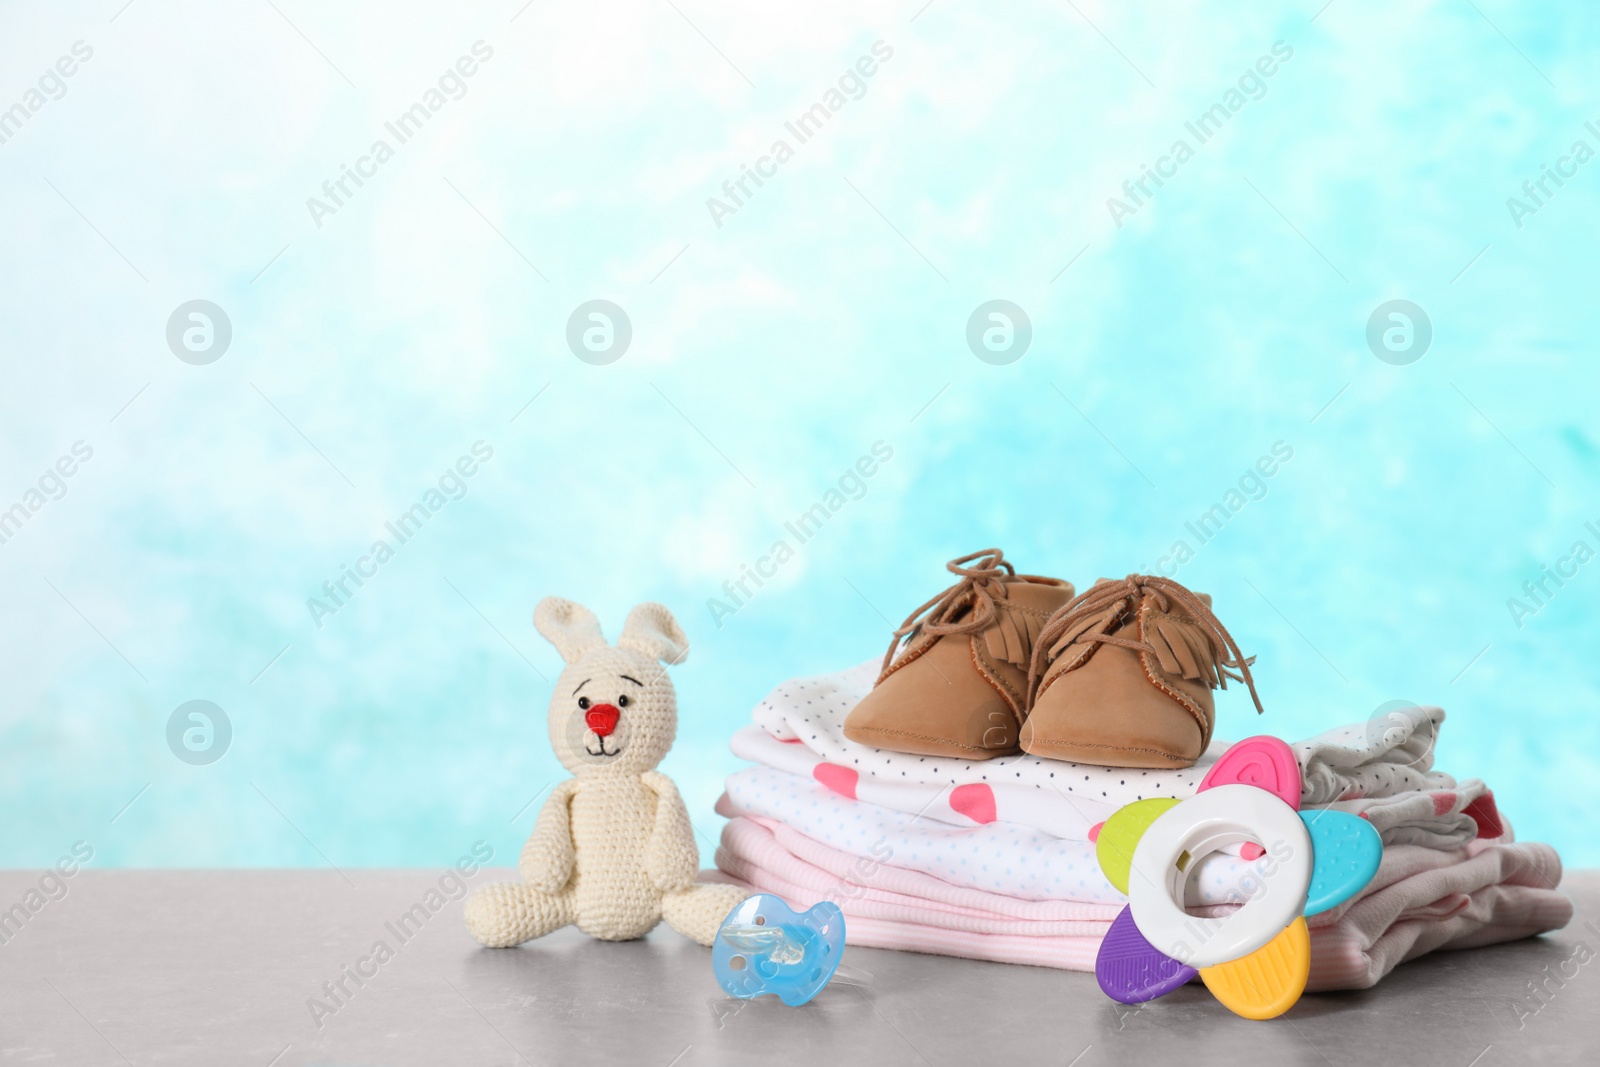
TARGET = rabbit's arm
(670,858)
(548,857)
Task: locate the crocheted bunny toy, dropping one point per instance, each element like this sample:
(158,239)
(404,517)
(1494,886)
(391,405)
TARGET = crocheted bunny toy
(613,850)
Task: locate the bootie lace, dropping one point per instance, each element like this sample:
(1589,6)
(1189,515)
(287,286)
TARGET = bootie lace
(965,608)
(1205,651)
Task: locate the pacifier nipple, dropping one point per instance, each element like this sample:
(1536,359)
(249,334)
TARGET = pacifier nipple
(769,941)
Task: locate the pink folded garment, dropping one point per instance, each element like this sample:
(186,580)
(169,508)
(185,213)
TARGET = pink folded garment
(1495,892)
(1067,953)
(1421,900)
(751,852)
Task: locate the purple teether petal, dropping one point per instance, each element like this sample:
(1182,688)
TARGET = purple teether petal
(1131,970)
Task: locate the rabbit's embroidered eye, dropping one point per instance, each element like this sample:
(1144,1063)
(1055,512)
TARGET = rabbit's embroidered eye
(583,702)
(622,702)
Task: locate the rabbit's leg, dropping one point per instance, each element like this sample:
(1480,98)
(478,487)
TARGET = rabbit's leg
(697,912)
(509,913)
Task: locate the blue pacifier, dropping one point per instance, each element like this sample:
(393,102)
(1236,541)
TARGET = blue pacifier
(765,946)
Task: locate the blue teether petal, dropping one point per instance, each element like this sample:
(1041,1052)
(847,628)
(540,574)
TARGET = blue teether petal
(765,946)
(1345,852)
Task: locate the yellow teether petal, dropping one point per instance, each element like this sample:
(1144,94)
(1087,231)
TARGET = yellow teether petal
(1114,847)
(1266,983)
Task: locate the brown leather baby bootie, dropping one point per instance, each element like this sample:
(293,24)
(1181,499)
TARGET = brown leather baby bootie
(959,687)
(1122,676)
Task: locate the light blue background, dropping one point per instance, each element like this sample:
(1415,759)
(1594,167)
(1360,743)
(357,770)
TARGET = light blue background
(828,313)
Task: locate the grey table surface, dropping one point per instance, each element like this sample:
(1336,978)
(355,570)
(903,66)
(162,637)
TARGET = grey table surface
(213,967)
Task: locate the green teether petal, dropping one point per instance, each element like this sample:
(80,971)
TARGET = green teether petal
(1121,832)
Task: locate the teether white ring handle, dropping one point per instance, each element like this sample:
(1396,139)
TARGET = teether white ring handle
(1218,817)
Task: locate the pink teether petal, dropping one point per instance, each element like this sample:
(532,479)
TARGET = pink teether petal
(1251,851)
(841,780)
(1094,831)
(974,800)
(1265,762)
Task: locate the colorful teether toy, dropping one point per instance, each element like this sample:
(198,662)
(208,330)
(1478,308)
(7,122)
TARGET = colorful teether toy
(764,946)
(1255,960)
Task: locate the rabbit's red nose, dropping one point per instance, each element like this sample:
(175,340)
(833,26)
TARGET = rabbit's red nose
(602,719)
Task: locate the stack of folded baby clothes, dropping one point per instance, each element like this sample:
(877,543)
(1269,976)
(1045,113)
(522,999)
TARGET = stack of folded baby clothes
(948,845)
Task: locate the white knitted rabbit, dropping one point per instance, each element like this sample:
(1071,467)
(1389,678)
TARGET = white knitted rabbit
(613,850)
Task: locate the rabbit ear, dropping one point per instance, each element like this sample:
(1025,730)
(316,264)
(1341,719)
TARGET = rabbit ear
(571,627)
(651,629)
